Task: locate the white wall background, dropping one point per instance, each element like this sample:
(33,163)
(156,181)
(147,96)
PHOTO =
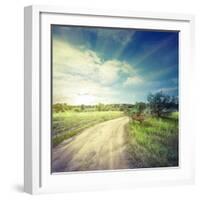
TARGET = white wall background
(11,99)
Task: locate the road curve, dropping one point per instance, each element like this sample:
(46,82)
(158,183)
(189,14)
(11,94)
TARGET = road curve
(100,147)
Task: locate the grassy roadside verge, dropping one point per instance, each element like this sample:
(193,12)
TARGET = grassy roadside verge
(68,124)
(154,143)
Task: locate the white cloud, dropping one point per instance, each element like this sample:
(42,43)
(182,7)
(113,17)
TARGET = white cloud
(80,70)
(109,71)
(68,59)
(134,80)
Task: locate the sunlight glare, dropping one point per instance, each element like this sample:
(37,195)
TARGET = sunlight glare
(85,99)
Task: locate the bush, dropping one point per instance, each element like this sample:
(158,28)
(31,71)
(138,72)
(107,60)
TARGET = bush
(161,103)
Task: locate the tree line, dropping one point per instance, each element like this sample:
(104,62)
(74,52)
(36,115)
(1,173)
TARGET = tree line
(62,107)
(157,104)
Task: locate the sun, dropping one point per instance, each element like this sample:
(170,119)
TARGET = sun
(85,99)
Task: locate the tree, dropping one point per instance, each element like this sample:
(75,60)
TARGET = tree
(82,107)
(140,107)
(136,109)
(160,103)
(61,107)
(100,107)
(58,107)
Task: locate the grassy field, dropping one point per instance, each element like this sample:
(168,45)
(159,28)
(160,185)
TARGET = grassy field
(154,143)
(67,124)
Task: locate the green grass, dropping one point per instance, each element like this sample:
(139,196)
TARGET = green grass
(155,141)
(67,124)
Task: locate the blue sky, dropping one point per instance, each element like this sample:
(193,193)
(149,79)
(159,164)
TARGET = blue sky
(107,65)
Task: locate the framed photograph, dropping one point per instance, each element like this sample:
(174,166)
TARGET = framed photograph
(107,99)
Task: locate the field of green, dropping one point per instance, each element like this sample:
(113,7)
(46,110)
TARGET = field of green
(69,123)
(154,142)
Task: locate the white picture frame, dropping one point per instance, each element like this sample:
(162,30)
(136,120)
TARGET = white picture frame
(37,173)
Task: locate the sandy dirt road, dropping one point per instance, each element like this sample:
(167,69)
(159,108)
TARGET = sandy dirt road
(100,147)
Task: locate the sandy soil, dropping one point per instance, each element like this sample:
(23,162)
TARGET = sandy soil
(100,147)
